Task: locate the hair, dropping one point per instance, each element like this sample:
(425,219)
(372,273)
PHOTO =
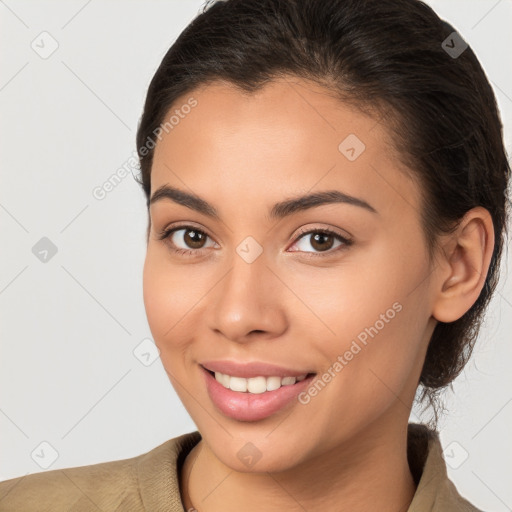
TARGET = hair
(384,56)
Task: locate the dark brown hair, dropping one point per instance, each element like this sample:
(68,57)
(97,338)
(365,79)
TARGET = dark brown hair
(382,55)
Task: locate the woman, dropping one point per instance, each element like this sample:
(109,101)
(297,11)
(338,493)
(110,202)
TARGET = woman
(326,189)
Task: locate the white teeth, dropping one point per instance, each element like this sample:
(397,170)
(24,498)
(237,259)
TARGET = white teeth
(256,385)
(273,383)
(238,384)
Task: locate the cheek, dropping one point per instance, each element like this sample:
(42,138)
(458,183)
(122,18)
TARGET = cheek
(156,299)
(365,292)
(374,312)
(168,297)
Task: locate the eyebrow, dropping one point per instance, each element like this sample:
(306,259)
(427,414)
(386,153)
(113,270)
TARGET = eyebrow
(278,211)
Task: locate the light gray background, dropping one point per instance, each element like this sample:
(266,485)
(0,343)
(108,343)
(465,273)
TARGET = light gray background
(68,374)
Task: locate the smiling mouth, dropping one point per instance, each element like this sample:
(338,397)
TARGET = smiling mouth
(256,385)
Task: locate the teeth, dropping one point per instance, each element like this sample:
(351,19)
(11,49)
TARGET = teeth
(256,384)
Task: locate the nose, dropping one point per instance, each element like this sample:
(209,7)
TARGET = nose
(248,302)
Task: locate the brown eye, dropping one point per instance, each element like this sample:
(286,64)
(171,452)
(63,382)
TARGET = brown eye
(186,239)
(322,241)
(194,239)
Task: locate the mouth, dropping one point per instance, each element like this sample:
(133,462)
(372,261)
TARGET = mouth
(256,385)
(254,398)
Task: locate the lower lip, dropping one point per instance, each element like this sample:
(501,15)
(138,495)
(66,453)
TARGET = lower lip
(251,406)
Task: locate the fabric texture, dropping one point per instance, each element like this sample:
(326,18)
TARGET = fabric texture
(150,482)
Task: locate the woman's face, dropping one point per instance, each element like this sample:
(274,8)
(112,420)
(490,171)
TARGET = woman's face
(352,305)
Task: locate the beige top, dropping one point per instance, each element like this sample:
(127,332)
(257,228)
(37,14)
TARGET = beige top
(149,482)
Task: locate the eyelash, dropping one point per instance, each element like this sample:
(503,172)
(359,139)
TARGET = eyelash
(347,242)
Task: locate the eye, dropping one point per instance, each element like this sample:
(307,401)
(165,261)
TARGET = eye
(190,241)
(322,240)
(185,239)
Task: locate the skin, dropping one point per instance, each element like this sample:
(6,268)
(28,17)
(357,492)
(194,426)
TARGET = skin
(243,153)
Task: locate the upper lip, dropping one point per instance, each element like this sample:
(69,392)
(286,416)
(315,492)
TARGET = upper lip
(251,369)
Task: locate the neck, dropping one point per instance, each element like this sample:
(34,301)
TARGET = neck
(369,468)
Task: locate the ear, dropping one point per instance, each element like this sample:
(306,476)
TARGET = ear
(464,262)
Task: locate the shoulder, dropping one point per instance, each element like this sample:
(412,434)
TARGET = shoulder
(435,492)
(115,485)
(104,485)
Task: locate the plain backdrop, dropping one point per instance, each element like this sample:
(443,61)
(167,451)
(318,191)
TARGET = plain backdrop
(74,387)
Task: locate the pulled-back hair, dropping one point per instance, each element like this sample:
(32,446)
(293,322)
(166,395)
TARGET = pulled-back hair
(385,57)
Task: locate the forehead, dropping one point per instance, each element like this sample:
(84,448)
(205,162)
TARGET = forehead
(289,136)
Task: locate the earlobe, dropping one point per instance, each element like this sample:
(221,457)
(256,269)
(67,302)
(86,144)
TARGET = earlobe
(465,267)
